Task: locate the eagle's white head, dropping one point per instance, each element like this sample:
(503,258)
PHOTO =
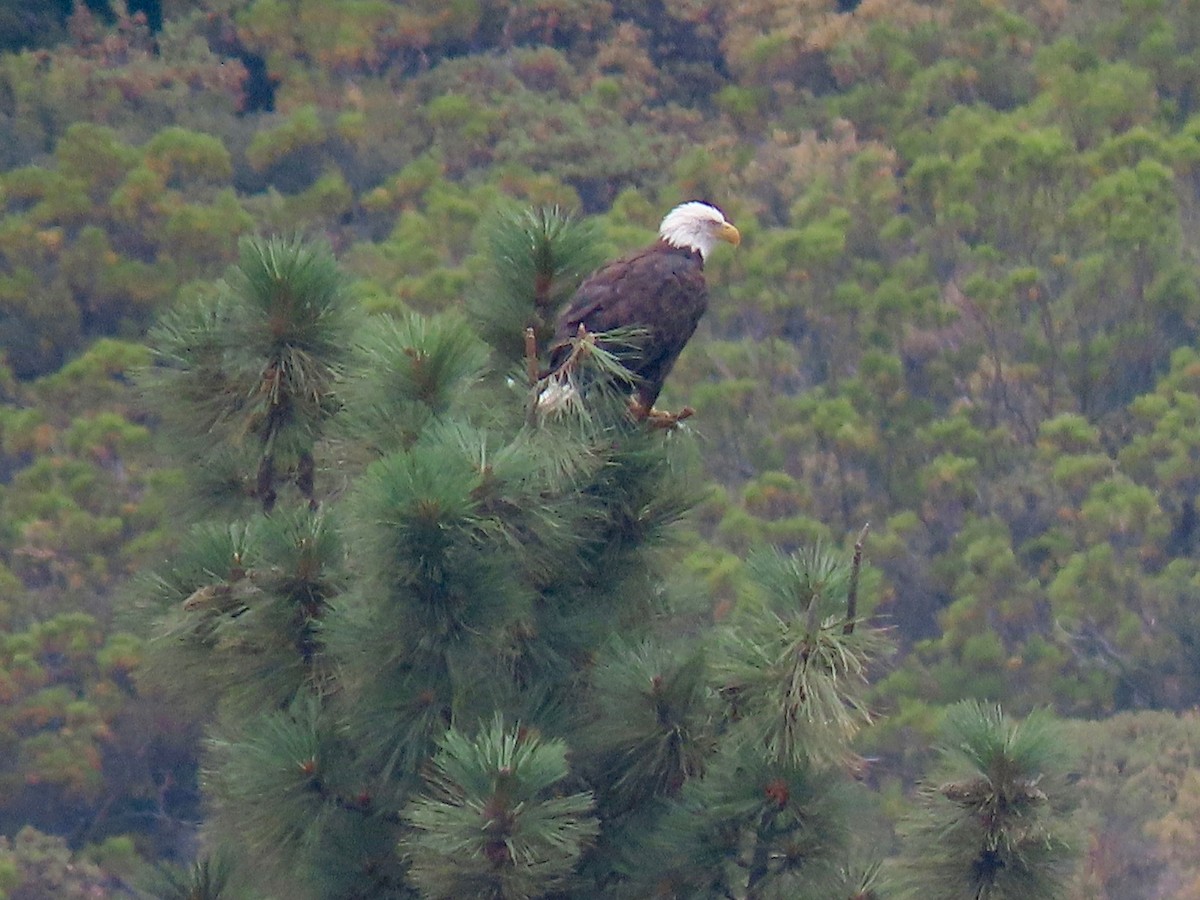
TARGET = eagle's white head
(697,226)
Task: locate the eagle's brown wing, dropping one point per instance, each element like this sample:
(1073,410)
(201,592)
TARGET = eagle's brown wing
(659,290)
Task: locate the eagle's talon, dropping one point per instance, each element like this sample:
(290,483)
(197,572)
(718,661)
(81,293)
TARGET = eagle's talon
(660,418)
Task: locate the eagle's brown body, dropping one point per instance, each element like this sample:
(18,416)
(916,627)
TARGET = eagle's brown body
(658,292)
(654,298)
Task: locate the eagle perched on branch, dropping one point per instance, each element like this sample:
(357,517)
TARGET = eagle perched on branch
(655,296)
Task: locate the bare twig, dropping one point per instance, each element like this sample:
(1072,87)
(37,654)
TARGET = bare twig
(531,372)
(531,357)
(855,567)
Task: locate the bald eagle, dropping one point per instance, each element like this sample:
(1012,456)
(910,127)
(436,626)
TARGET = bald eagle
(656,294)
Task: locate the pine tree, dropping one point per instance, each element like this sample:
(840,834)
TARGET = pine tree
(438,635)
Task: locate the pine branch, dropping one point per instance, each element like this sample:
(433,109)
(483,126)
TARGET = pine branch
(243,604)
(592,383)
(531,373)
(409,373)
(789,668)
(492,822)
(650,726)
(536,260)
(749,828)
(987,824)
(253,366)
(205,879)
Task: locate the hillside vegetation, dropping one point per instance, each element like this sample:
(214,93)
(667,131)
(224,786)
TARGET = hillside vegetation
(965,311)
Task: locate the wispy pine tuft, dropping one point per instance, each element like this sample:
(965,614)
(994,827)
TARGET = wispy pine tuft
(793,675)
(537,258)
(252,368)
(408,373)
(651,729)
(494,821)
(749,828)
(989,823)
(205,879)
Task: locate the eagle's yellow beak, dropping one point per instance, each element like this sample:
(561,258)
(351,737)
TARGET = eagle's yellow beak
(728,233)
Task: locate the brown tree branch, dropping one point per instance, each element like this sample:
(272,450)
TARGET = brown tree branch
(855,567)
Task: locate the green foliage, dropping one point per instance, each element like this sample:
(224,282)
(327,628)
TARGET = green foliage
(963,312)
(203,880)
(407,374)
(278,146)
(795,666)
(537,257)
(67,697)
(34,864)
(988,830)
(182,158)
(492,822)
(650,731)
(766,817)
(277,767)
(260,357)
(480,567)
(253,595)
(750,827)
(1136,789)
(426,505)
(88,231)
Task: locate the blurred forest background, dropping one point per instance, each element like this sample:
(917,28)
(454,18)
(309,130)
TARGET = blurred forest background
(966,311)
